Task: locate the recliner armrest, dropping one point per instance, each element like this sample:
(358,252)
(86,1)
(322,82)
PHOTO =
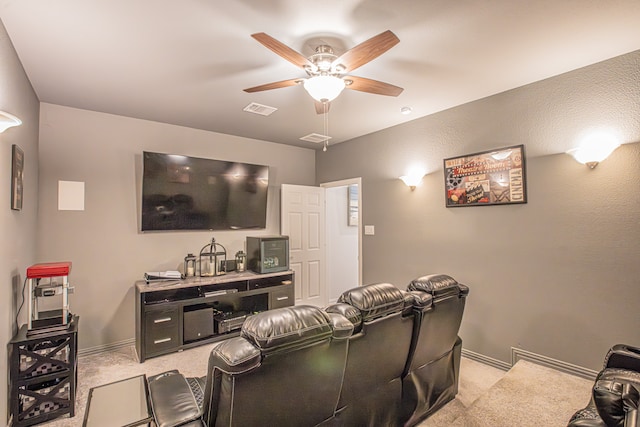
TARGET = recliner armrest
(349,312)
(624,357)
(342,327)
(422,301)
(172,400)
(235,355)
(346,310)
(613,394)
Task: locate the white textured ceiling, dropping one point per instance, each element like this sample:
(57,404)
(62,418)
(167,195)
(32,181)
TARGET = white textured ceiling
(186,62)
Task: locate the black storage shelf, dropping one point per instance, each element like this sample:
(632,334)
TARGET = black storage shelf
(43,374)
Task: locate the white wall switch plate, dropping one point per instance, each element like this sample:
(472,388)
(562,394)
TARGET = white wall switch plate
(369,230)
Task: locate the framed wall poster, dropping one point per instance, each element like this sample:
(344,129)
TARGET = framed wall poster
(352,206)
(17,168)
(495,177)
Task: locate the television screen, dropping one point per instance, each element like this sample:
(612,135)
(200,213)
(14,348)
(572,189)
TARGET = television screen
(190,193)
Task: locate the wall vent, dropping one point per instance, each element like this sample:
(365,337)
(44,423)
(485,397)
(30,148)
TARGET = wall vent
(315,137)
(263,110)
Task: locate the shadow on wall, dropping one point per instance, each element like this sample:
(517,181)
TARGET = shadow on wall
(18,298)
(124,310)
(537,331)
(484,339)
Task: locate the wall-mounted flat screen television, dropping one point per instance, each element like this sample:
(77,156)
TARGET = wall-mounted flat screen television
(190,193)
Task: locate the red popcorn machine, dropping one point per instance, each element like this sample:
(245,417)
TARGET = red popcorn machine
(48,290)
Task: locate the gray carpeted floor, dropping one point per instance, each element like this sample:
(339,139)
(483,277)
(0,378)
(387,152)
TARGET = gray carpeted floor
(527,395)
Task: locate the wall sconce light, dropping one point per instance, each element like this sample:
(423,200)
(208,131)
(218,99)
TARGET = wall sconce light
(413,179)
(8,120)
(594,148)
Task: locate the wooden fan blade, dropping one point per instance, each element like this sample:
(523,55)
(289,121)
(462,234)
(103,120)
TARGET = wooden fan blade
(283,50)
(373,86)
(320,107)
(274,85)
(366,51)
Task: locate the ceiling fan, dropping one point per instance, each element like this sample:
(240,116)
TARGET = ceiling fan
(327,72)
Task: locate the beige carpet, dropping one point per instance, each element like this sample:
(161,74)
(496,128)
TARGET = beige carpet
(116,365)
(527,395)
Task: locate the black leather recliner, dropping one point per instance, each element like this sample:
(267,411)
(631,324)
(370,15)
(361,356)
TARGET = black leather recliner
(285,369)
(432,372)
(615,396)
(378,349)
(381,356)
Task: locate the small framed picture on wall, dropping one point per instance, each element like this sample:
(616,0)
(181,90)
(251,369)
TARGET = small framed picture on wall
(17,169)
(352,206)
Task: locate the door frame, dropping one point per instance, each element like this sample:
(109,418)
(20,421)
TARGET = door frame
(344,183)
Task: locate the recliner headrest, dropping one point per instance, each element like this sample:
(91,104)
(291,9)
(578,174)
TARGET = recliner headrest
(289,326)
(376,300)
(438,285)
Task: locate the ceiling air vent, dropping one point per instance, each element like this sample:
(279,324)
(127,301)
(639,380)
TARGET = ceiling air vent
(263,110)
(315,137)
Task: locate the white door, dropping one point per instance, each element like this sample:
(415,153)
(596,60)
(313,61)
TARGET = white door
(302,218)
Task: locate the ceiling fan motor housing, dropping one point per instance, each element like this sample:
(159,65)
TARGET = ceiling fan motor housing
(322,62)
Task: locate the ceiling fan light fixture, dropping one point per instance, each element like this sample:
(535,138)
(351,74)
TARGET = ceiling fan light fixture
(324,88)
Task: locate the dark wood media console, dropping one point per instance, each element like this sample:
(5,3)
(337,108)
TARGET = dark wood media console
(172,316)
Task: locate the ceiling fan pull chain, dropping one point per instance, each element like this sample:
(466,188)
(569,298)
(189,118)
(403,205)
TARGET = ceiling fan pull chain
(326,125)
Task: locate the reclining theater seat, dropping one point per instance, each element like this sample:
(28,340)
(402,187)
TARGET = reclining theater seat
(431,376)
(378,349)
(285,369)
(616,392)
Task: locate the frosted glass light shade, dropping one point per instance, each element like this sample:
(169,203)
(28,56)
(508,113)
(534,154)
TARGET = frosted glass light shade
(594,149)
(412,180)
(8,120)
(324,88)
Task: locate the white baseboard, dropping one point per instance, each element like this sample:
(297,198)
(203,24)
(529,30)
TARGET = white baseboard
(520,354)
(499,364)
(106,347)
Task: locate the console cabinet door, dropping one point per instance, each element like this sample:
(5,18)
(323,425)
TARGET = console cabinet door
(162,330)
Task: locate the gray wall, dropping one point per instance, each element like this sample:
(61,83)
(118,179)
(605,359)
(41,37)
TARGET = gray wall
(104,243)
(557,276)
(17,228)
